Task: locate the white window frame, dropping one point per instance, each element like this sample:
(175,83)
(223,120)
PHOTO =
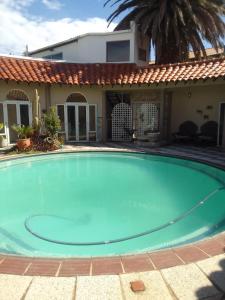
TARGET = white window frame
(5,114)
(77,105)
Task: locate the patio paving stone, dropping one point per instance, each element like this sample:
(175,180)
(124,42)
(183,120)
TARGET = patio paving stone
(48,288)
(214,267)
(165,259)
(155,286)
(98,288)
(189,283)
(13,287)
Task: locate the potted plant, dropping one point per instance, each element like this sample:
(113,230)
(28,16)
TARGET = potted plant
(24,133)
(3,140)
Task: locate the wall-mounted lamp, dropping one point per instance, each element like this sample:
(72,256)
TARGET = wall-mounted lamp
(189,93)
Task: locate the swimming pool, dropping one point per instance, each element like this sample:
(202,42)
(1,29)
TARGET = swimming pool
(106,203)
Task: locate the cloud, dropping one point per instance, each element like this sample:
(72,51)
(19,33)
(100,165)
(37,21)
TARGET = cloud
(17,29)
(52,4)
(17,4)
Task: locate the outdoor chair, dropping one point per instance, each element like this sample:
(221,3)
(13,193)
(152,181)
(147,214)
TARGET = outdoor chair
(187,132)
(208,133)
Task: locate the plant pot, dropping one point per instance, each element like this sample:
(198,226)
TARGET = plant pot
(3,142)
(23,144)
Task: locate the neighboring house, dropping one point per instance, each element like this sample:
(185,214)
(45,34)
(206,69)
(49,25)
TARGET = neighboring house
(210,52)
(102,101)
(126,46)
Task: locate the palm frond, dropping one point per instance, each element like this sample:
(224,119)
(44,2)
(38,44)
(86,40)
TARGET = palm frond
(174,26)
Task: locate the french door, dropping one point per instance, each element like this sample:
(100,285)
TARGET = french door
(14,112)
(80,122)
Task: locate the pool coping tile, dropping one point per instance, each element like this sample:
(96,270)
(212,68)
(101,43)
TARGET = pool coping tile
(137,263)
(190,254)
(43,268)
(211,246)
(75,267)
(165,259)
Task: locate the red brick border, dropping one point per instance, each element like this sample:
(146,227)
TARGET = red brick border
(113,265)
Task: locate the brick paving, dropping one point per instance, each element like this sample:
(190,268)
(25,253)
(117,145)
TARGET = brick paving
(202,280)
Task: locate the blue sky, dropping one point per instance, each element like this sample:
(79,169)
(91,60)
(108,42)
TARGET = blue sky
(38,23)
(72,9)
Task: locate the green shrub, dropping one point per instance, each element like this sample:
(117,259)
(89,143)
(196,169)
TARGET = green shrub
(2,137)
(23,132)
(52,122)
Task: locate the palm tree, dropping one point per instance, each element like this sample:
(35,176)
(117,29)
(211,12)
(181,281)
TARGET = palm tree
(175,26)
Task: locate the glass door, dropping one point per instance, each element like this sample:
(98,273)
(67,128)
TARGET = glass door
(24,114)
(82,123)
(18,113)
(12,119)
(71,123)
(2,120)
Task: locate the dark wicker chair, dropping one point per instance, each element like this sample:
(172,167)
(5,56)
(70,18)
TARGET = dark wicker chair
(187,132)
(208,133)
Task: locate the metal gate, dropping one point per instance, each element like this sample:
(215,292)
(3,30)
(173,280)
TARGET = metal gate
(146,117)
(121,122)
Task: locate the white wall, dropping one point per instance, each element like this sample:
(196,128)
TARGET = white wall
(69,52)
(91,48)
(186,104)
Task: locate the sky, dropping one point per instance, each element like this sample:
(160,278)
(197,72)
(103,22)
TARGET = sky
(38,23)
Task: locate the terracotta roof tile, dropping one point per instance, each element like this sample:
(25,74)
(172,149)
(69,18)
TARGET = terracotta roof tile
(32,70)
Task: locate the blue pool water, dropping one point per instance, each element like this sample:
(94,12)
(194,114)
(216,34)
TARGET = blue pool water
(94,204)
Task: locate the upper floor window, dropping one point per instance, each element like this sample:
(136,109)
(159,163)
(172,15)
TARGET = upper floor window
(118,51)
(142,54)
(56,56)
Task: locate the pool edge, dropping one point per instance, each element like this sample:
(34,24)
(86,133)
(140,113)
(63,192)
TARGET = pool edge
(110,265)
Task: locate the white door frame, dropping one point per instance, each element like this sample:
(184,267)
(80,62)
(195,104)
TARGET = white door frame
(219,116)
(76,106)
(18,117)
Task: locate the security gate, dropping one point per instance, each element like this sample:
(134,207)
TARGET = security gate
(146,117)
(121,122)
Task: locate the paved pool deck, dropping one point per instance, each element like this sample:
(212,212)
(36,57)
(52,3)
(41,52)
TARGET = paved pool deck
(195,271)
(200,280)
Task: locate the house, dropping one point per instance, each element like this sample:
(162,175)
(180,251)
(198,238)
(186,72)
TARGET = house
(124,46)
(102,99)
